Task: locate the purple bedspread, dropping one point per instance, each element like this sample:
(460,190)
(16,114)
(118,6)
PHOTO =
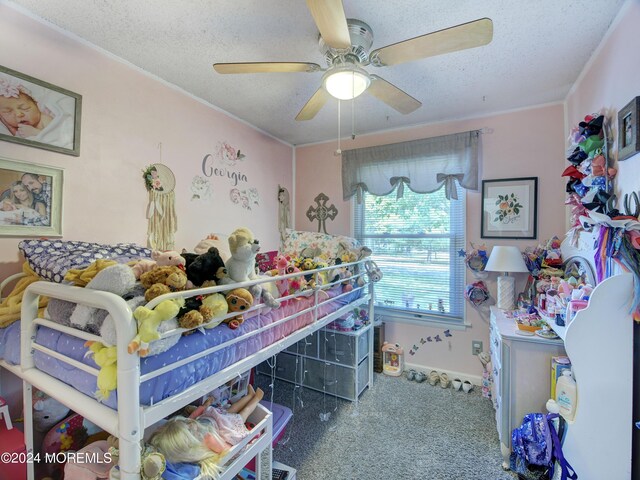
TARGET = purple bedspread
(177,380)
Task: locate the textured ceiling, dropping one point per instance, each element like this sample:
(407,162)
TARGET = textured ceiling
(538,50)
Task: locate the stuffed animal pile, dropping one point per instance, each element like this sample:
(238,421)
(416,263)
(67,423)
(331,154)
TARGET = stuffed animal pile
(166,273)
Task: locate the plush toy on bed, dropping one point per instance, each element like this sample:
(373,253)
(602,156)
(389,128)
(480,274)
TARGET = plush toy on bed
(106,358)
(207,269)
(161,280)
(202,310)
(306,264)
(158,259)
(284,266)
(214,240)
(241,265)
(149,321)
(118,279)
(239,300)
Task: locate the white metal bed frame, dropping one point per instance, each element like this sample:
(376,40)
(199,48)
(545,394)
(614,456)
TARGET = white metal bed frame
(130,419)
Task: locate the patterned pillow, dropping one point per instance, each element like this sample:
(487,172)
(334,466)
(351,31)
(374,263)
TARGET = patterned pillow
(322,245)
(51,259)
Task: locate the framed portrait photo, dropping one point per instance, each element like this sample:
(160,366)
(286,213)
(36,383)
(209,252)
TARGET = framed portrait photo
(30,200)
(38,114)
(628,132)
(510,208)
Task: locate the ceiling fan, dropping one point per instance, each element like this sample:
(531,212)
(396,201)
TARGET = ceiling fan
(345,43)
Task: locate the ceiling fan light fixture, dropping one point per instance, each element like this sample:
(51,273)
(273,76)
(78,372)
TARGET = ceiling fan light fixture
(346,82)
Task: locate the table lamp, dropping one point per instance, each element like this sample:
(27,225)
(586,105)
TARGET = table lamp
(506,259)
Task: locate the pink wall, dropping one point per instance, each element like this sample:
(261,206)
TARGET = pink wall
(609,82)
(526,143)
(125,115)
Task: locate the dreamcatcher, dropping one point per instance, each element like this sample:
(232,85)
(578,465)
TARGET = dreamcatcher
(161,213)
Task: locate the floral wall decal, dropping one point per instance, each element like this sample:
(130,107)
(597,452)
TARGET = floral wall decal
(201,188)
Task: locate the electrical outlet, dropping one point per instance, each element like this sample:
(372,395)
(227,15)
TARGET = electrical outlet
(476,347)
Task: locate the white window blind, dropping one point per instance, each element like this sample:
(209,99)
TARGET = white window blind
(415,241)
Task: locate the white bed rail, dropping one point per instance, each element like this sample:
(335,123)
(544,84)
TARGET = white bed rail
(126,422)
(130,419)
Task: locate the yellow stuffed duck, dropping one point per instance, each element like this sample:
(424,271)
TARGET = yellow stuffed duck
(149,321)
(106,358)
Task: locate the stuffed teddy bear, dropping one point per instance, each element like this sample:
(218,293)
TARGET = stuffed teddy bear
(189,257)
(158,259)
(241,265)
(149,321)
(162,280)
(207,269)
(306,264)
(201,310)
(238,300)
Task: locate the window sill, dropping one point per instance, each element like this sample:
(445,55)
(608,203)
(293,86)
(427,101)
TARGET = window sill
(423,320)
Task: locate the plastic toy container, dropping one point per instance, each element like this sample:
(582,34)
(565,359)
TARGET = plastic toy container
(280,417)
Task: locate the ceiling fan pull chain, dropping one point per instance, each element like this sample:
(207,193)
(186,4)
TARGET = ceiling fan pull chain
(338,151)
(353,119)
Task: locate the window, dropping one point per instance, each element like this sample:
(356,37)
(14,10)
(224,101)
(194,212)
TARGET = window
(415,241)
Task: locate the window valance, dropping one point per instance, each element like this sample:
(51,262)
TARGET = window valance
(423,165)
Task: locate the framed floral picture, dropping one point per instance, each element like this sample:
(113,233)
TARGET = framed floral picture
(30,200)
(38,114)
(510,208)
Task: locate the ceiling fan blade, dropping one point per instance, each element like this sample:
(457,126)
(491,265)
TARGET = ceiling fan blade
(313,106)
(266,67)
(468,35)
(392,95)
(331,22)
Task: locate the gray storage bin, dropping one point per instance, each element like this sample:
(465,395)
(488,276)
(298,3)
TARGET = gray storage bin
(310,349)
(341,347)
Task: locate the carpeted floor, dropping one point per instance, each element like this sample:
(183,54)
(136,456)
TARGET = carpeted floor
(400,430)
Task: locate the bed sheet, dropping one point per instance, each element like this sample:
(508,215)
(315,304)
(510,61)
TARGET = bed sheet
(177,380)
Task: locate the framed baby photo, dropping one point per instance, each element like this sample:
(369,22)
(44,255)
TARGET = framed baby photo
(628,131)
(38,114)
(30,200)
(509,208)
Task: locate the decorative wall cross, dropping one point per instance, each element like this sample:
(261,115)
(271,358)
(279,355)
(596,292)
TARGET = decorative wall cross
(322,212)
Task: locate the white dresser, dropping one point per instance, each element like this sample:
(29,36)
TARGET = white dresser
(521,375)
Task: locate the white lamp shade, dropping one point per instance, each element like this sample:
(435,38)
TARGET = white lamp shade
(346,82)
(506,259)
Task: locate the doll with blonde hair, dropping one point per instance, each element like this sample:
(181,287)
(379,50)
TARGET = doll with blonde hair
(205,436)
